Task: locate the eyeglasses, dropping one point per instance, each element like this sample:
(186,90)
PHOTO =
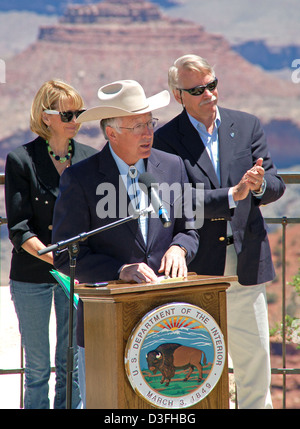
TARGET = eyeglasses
(139,128)
(65,116)
(199,90)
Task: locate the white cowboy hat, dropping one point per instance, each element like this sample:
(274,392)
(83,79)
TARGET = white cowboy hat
(123,98)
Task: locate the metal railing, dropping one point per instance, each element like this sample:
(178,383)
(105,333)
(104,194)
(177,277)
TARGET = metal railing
(289,178)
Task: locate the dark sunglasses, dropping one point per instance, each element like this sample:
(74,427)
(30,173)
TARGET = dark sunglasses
(65,116)
(199,90)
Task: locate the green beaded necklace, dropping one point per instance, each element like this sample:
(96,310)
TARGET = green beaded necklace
(57,157)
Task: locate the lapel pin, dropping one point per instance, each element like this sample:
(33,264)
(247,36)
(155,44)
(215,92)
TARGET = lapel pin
(232,135)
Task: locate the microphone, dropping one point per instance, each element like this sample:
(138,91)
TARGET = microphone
(150,183)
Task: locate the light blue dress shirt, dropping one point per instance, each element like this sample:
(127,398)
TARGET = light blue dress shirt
(211,143)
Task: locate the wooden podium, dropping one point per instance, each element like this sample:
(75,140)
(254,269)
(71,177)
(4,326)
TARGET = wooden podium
(111,312)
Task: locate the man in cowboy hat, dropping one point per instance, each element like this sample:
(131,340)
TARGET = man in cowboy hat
(139,250)
(123,252)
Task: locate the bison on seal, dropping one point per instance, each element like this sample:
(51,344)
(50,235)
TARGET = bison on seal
(171,356)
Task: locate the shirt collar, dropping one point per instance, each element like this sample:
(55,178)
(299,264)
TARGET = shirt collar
(200,125)
(123,167)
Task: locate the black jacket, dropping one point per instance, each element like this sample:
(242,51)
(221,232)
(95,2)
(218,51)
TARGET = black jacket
(31,189)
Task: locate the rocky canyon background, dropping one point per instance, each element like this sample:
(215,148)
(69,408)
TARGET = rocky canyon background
(254,46)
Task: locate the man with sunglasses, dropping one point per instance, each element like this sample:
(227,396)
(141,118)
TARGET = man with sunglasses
(226,150)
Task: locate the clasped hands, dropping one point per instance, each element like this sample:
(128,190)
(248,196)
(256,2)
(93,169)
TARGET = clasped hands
(173,264)
(251,181)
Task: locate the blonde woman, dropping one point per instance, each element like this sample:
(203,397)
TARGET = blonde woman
(32,178)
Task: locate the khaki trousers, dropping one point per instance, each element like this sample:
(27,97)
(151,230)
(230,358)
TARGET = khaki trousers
(248,339)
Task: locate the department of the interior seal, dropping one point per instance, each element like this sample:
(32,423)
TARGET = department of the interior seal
(175,356)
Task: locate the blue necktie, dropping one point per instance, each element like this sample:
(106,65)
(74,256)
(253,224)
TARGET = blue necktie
(135,195)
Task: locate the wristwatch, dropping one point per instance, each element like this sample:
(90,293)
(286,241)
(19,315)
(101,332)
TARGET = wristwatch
(261,189)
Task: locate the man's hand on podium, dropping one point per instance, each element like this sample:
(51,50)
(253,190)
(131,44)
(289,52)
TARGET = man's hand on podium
(173,264)
(139,272)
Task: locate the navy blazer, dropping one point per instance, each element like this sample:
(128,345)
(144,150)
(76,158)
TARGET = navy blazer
(31,189)
(102,255)
(241,143)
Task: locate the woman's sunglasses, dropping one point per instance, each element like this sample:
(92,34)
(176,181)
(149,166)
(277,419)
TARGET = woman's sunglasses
(199,90)
(65,116)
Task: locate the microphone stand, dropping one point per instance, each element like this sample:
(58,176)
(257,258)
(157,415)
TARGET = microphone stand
(72,245)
